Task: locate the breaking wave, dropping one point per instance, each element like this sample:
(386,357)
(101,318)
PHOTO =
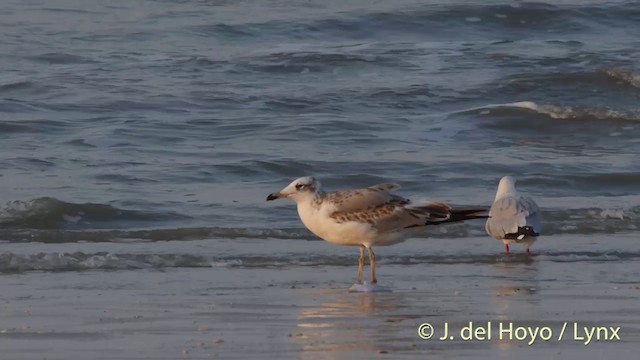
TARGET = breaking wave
(51,213)
(560,112)
(80,261)
(555,222)
(628,77)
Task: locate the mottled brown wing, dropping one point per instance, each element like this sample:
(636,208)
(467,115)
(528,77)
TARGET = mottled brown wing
(393,216)
(363,199)
(435,212)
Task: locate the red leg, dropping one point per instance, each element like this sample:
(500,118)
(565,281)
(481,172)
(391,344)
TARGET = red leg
(506,248)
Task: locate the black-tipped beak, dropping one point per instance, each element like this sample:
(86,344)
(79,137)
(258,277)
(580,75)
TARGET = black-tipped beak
(273,196)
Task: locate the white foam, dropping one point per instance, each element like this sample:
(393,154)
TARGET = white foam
(486,109)
(612,213)
(524,105)
(629,77)
(365,287)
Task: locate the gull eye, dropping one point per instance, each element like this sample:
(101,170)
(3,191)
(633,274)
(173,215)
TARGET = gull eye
(300,186)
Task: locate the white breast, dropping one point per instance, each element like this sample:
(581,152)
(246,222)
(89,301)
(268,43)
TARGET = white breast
(318,221)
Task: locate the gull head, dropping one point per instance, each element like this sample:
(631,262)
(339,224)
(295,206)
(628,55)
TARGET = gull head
(506,186)
(300,189)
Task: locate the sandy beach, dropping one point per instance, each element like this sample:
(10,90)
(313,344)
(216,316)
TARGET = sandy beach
(305,312)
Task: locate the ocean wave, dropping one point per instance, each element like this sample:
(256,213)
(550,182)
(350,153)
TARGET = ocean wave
(525,18)
(14,83)
(80,261)
(51,213)
(12,105)
(308,60)
(627,77)
(11,263)
(559,111)
(62,58)
(29,126)
(555,222)
(605,79)
(162,234)
(222,30)
(512,16)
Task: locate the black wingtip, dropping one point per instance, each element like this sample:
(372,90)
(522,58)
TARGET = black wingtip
(468,214)
(457,215)
(523,232)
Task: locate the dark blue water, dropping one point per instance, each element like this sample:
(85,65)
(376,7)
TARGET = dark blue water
(172,120)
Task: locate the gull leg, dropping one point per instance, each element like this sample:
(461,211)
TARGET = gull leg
(372,265)
(528,251)
(360,265)
(506,248)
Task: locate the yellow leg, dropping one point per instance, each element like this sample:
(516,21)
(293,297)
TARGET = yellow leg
(372,265)
(360,265)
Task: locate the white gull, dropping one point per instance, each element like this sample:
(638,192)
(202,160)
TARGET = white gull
(513,218)
(366,217)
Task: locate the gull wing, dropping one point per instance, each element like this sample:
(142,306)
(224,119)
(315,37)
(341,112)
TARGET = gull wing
(509,213)
(366,198)
(393,215)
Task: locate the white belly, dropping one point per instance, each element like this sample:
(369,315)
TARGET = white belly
(349,233)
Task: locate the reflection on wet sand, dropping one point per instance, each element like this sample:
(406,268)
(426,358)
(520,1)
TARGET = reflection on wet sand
(515,293)
(345,322)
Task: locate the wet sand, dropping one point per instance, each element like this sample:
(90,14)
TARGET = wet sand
(305,312)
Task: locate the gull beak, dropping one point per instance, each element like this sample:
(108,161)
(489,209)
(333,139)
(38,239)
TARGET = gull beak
(273,196)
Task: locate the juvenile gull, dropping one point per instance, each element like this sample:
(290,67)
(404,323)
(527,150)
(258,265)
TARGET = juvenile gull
(366,217)
(513,218)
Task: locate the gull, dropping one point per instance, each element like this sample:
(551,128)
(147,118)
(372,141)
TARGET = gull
(366,217)
(512,217)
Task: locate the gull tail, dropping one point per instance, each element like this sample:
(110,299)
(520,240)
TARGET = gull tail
(467,214)
(523,232)
(440,213)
